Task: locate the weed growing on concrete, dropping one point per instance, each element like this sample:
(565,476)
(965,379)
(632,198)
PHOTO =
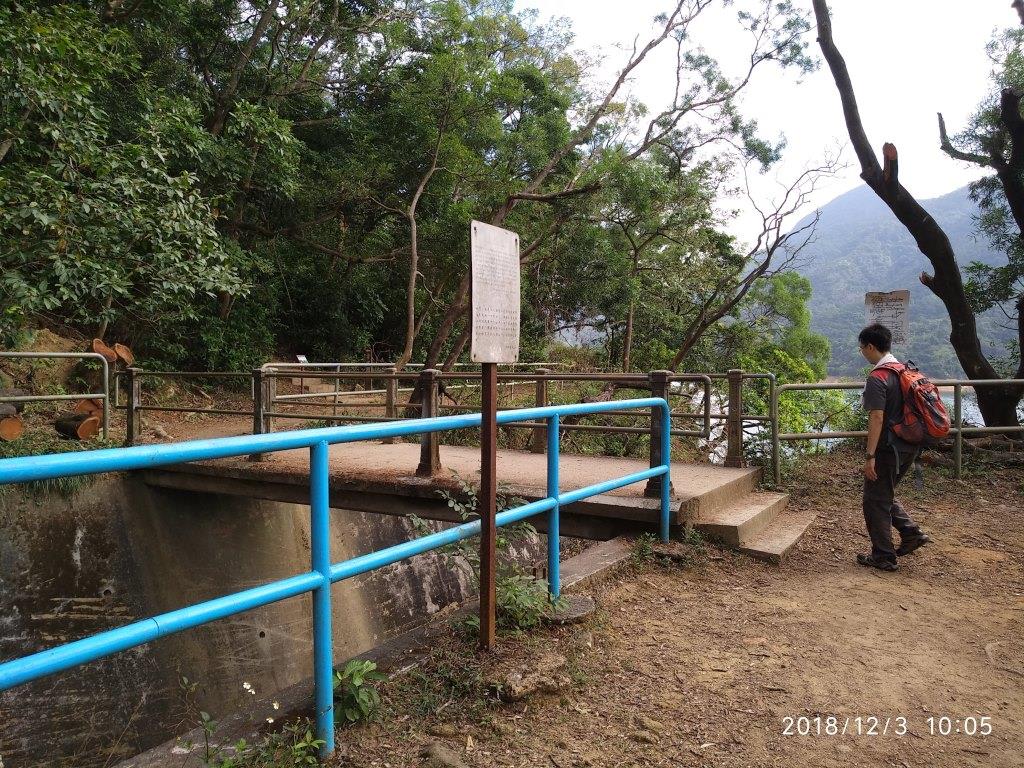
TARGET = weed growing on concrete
(643,548)
(522,600)
(694,538)
(355,693)
(447,676)
(293,745)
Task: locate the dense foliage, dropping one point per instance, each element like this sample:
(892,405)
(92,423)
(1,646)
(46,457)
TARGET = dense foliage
(218,181)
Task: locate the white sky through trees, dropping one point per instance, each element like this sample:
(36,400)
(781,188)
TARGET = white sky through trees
(909,59)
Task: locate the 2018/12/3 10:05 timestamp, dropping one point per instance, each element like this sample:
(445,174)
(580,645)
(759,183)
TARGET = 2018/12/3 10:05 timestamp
(873,725)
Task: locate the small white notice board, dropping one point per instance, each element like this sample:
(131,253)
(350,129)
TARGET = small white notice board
(495,273)
(892,310)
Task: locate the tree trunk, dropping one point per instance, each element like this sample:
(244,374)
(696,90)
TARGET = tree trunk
(89,407)
(125,354)
(997,404)
(410,296)
(77,426)
(99,347)
(627,337)
(458,347)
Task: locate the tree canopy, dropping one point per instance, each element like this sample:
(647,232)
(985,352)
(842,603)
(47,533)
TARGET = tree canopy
(215,182)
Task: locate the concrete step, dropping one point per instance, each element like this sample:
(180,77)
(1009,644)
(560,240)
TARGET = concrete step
(741,519)
(776,540)
(701,489)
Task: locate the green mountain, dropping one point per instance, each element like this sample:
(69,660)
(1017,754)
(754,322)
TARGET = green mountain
(859,246)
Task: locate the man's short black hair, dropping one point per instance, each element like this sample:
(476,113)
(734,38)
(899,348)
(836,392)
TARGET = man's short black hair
(878,336)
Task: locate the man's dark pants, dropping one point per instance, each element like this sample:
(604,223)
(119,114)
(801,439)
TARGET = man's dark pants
(882,512)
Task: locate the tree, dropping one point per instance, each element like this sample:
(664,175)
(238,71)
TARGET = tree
(994,139)
(703,111)
(93,226)
(998,404)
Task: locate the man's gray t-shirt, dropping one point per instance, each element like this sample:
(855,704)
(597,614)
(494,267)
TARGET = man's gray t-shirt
(883,393)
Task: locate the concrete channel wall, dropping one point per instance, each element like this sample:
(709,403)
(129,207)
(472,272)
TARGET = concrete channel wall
(119,550)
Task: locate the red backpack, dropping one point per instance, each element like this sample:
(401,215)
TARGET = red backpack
(925,420)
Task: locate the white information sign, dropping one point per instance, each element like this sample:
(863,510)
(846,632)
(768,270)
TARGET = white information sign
(495,272)
(892,310)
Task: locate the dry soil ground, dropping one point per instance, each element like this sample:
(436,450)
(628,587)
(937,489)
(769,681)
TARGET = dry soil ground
(701,664)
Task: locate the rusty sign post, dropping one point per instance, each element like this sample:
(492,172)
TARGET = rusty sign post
(495,339)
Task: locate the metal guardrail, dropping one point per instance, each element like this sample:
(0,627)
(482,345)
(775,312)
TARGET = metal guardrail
(958,430)
(323,573)
(268,405)
(104,395)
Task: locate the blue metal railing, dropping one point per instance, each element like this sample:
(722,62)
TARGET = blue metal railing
(323,573)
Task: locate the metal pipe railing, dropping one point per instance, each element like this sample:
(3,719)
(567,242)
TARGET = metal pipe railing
(104,395)
(323,573)
(268,405)
(957,430)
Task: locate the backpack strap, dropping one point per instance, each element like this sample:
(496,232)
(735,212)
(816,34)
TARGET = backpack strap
(879,372)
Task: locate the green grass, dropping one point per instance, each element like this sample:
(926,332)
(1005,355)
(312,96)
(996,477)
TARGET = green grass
(38,442)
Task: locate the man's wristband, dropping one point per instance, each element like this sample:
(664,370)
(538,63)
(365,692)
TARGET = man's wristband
(870,455)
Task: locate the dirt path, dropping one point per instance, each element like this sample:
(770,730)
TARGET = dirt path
(700,665)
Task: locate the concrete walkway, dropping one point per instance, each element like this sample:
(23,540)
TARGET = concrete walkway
(397,462)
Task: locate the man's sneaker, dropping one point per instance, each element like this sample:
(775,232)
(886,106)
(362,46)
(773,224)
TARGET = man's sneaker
(872,562)
(912,544)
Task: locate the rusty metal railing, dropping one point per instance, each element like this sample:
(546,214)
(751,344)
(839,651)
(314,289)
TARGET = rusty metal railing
(958,429)
(104,395)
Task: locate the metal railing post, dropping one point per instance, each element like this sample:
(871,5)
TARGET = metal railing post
(269,395)
(257,409)
(540,399)
(773,417)
(337,383)
(958,439)
(706,381)
(554,555)
(734,423)
(390,399)
(430,452)
(106,398)
(133,417)
(320,549)
(659,388)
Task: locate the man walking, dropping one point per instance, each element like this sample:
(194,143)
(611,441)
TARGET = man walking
(888,458)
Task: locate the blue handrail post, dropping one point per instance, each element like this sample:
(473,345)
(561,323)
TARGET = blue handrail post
(320,546)
(554,577)
(666,459)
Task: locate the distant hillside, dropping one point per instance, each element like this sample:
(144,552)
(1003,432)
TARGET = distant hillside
(860,247)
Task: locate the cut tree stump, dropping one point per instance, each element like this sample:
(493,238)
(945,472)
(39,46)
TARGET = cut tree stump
(89,406)
(124,354)
(103,349)
(11,427)
(77,426)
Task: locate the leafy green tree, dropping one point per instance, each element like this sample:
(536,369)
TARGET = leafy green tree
(93,227)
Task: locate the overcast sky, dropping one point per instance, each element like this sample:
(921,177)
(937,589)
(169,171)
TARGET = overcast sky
(908,59)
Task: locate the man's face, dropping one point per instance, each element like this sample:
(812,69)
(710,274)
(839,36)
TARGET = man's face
(871,354)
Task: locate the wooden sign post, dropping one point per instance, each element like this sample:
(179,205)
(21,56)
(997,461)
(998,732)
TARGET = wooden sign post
(495,339)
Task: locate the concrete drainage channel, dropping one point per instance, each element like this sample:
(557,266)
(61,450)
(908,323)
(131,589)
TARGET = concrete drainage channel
(394,657)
